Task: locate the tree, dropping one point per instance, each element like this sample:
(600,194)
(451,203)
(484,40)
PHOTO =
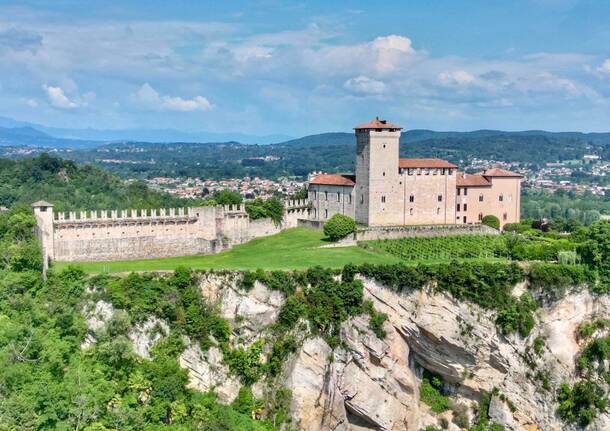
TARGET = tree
(491,221)
(227,197)
(339,226)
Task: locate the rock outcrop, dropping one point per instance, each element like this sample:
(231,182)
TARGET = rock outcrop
(372,384)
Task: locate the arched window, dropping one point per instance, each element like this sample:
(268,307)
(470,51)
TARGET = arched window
(480,216)
(410,211)
(438,211)
(412,198)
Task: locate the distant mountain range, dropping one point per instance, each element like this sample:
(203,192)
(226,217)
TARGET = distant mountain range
(19,133)
(12,133)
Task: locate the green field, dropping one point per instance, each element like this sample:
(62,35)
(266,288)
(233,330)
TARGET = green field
(292,249)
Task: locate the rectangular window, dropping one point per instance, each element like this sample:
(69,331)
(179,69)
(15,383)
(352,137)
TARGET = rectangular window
(338,197)
(459,191)
(383,199)
(349,199)
(465,207)
(505,216)
(481,198)
(465,192)
(464,219)
(411,198)
(458,207)
(325,213)
(439,198)
(325,196)
(501,198)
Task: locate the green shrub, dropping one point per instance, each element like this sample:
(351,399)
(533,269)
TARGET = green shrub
(517,316)
(339,226)
(272,208)
(491,221)
(376,319)
(246,402)
(553,280)
(430,393)
(245,363)
(581,402)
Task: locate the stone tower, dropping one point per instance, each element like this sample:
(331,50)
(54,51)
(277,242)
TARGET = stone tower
(378,194)
(43,211)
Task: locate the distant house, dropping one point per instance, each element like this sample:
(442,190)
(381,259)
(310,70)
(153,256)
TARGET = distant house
(389,191)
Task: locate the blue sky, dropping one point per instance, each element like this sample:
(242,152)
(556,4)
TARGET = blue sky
(270,66)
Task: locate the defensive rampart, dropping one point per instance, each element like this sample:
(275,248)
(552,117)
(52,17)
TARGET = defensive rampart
(141,234)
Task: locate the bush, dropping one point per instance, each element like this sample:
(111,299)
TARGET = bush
(430,393)
(339,226)
(581,402)
(271,208)
(553,280)
(491,221)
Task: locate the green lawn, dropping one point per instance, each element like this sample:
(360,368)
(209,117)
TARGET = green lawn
(291,249)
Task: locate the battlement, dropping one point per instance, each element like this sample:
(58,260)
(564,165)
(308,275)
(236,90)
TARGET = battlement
(153,233)
(131,214)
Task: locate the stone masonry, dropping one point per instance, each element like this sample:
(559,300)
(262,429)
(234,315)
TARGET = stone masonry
(390,191)
(141,234)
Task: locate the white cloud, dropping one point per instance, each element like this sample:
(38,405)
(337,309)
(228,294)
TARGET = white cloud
(58,99)
(381,56)
(364,84)
(457,77)
(32,103)
(605,67)
(149,97)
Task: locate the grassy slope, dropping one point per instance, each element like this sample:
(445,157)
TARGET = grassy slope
(292,249)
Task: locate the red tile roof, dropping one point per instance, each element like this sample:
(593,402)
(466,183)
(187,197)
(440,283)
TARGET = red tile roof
(472,180)
(497,172)
(334,180)
(377,124)
(425,163)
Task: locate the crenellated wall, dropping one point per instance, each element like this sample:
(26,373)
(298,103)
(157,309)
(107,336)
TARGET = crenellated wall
(142,234)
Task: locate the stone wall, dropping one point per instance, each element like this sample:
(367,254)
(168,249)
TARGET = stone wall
(146,234)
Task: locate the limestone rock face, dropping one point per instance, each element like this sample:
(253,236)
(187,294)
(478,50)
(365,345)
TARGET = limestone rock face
(96,316)
(145,335)
(371,384)
(207,372)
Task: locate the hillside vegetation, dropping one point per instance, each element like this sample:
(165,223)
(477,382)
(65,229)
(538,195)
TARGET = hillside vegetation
(73,187)
(51,379)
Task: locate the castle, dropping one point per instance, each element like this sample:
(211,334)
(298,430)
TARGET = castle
(386,191)
(390,191)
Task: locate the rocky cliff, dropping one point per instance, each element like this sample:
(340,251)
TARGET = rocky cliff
(367,383)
